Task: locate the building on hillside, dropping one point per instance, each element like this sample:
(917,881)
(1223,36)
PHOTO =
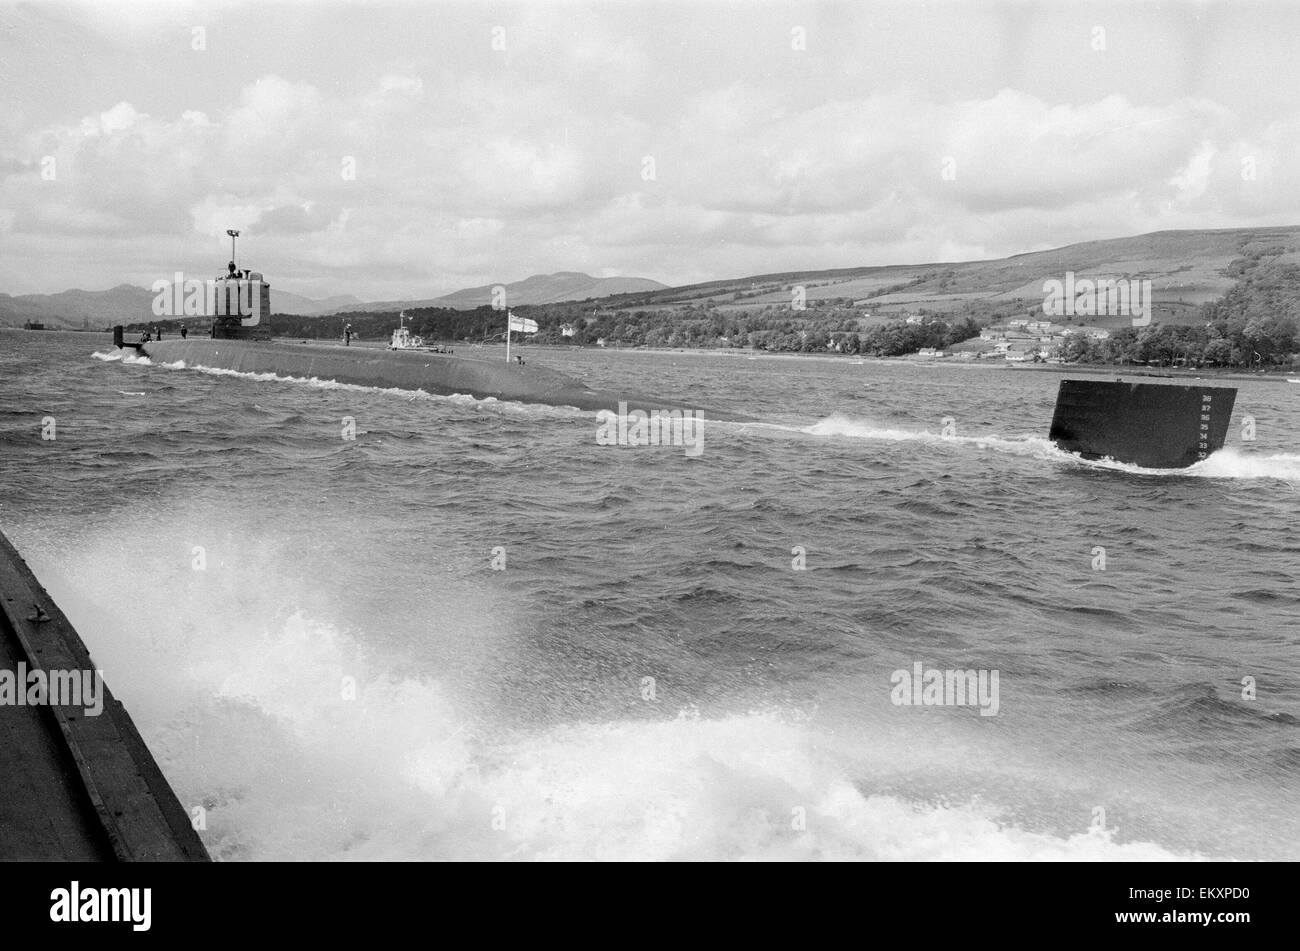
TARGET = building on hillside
(567,330)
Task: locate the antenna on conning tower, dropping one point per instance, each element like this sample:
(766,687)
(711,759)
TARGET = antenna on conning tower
(233,235)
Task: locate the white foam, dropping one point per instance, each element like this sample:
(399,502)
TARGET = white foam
(401,773)
(286,770)
(1234,463)
(238,693)
(456,399)
(130,357)
(1228,463)
(749,787)
(843,426)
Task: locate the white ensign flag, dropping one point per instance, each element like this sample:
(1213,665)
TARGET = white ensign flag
(523,325)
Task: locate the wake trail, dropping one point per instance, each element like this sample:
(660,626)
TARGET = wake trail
(1228,463)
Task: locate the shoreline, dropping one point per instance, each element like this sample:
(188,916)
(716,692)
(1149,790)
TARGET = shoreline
(1101,369)
(1093,369)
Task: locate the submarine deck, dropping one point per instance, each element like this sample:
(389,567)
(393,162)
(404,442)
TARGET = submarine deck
(435,373)
(74,786)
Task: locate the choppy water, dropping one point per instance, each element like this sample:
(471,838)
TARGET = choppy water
(504,714)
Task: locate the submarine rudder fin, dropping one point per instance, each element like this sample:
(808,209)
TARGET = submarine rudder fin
(1152,425)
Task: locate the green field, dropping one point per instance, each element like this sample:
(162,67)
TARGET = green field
(1186,269)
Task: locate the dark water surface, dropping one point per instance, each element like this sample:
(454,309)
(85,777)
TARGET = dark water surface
(347,677)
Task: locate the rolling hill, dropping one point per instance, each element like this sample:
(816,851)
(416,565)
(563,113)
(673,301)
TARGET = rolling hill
(538,289)
(1186,269)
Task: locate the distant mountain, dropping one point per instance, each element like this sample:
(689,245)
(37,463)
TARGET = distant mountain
(538,289)
(127,304)
(282,302)
(73,309)
(1186,270)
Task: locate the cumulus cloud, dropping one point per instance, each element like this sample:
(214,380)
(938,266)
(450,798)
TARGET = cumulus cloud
(121,116)
(603,148)
(294,219)
(406,85)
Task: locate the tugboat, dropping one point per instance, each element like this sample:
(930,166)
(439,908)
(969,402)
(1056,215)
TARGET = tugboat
(403,339)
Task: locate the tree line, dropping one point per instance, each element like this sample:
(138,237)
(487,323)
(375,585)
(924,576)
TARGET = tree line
(1255,324)
(774,328)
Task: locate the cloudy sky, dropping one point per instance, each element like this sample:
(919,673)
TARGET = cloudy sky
(404,150)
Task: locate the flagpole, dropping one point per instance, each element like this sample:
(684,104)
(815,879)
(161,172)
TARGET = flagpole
(507,335)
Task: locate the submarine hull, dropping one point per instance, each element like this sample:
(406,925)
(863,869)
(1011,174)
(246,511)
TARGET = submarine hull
(1153,425)
(435,373)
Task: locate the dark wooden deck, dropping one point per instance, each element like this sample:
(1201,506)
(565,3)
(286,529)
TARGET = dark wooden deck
(74,787)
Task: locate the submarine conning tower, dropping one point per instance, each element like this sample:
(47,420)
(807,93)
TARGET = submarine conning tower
(241,305)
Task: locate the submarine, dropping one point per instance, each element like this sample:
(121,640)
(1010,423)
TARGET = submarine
(1152,425)
(240,339)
